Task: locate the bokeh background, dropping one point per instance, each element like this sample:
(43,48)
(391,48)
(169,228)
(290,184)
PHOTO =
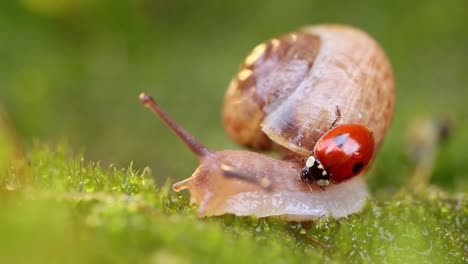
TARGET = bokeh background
(72,70)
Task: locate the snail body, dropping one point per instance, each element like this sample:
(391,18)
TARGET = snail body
(285,97)
(221,186)
(248,183)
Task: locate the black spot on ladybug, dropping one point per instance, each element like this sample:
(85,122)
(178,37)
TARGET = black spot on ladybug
(357,167)
(341,139)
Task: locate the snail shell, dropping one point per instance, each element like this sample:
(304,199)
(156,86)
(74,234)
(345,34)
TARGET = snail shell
(285,96)
(287,91)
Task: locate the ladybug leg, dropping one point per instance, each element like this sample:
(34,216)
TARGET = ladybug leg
(322,187)
(338,116)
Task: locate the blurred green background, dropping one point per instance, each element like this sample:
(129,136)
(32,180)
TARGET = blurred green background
(74,69)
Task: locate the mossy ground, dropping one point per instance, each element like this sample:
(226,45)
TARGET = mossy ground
(75,211)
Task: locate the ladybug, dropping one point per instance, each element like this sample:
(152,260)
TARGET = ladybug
(340,154)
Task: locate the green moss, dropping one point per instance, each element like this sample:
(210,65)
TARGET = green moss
(76,211)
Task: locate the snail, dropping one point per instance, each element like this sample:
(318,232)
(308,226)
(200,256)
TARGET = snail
(321,88)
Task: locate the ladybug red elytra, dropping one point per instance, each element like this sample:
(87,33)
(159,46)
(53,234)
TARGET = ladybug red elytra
(340,154)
